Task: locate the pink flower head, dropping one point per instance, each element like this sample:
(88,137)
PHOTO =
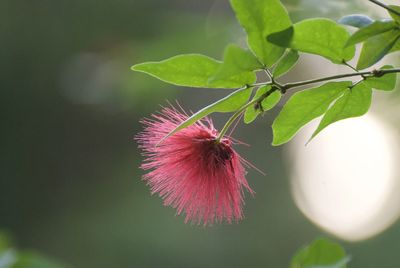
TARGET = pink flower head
(191,171)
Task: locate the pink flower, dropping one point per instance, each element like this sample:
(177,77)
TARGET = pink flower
(191,171)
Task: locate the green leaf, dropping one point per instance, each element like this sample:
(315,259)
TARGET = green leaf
(272,100)
(373,29)
(356,20)
(386,82)
(286,63)
(319,36)
(375,48)
(322,253)
(237,61)
(230,103)
(260,18)
(268,103)
(354,102)
(191,70)
(303,107)
(393,15)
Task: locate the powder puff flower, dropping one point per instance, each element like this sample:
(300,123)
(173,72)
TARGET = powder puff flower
(192,171)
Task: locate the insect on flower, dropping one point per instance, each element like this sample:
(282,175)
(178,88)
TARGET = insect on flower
(193,171)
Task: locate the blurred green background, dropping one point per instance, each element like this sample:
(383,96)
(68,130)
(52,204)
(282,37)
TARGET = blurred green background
(70,185)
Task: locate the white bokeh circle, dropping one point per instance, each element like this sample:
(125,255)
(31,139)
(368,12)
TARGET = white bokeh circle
(347,179)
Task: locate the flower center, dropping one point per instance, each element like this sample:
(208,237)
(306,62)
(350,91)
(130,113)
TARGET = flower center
(223,150)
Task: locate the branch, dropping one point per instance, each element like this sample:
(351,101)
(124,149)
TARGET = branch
(376,2)
(285,87)
(376,73)
(365,74)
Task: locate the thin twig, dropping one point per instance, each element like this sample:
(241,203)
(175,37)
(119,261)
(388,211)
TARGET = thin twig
(333,77)
(350,66)
(241,110)
(385,7)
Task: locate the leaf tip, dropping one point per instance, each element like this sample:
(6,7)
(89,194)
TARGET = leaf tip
(247,120)
(136,67)
(310,139)
(282,38)
(277,142)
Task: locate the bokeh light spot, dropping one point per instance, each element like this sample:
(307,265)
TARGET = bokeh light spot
(346,179)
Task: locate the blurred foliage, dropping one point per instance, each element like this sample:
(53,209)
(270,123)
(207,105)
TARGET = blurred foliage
(11,258)
(321,253)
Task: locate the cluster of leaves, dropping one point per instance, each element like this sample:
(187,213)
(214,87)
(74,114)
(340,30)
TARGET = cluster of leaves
(379,37)
(12,258)
(274,45)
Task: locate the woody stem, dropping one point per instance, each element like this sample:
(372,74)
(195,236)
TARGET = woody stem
(376,73)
